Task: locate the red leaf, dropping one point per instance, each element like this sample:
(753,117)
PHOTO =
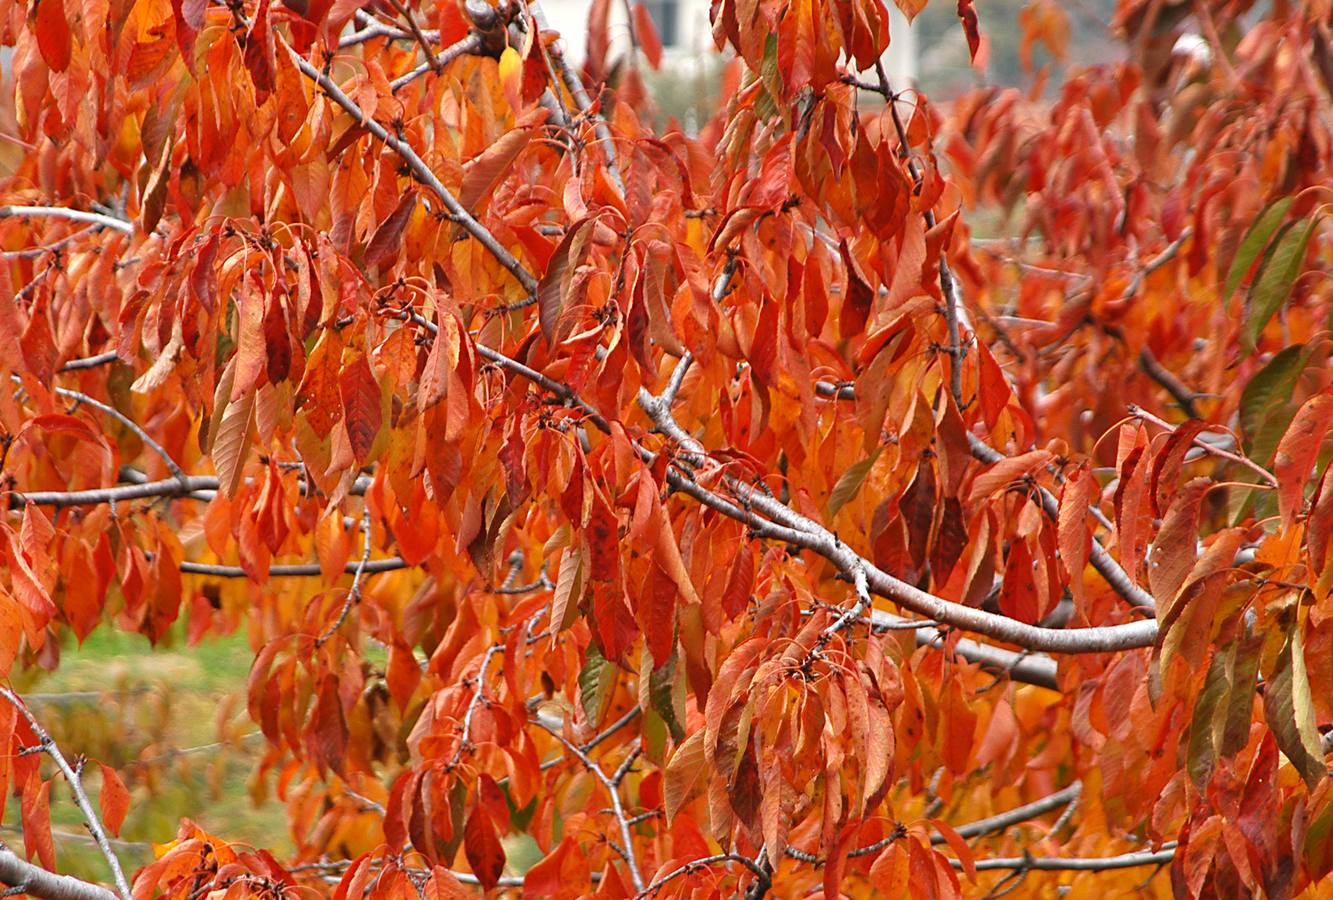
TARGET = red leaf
(482,846)
(649,41)
(656,611)
(967,14)
(860,297)
(1072,528)
(1132,512)
(362,414)
(562,873)
(115,799)
(259,51)
(52,28)
(388,237)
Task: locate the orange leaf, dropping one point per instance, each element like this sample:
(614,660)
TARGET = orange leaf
(484,172)
(649,40)
(35,814)
(563,874)
(1297,451)
(115,799)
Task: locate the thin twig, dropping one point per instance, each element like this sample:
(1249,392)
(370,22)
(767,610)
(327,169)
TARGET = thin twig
(420,170)
(415,29)
(703,863)
(1076,863)
(464,736)
(90,816)
(612,788)
(465,47)
(1211,449)
(140,433)
(354,592)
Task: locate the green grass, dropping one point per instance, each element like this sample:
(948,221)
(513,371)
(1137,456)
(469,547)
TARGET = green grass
(121,701)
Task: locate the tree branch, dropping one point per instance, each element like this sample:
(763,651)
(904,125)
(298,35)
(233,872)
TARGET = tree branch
(354,592)
(48,745)
(705,862)
(1001,821)
(37,882)
(60,212)
(613,788)
(419,169)
(1076,863)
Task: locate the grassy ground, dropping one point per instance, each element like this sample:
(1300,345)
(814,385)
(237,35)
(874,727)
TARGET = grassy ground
(118,700)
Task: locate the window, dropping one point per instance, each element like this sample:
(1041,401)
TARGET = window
(666,19)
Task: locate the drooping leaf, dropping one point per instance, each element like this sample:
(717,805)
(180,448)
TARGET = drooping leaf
(485,854)
(646,31)
(1265,397)
(1298,450)
(1289,710)
(849,483)
(1277,276)
(1256,239)
(115,799)
(687,774)
(362,415)
(554,284)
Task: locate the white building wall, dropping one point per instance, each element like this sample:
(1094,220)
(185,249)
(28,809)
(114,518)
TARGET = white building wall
(570,18)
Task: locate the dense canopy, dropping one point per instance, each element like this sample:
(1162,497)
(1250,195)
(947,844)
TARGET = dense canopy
(849,496)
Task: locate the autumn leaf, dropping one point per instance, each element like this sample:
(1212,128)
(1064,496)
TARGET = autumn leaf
(1289,711)
(646,31)
(482,845)
(360,393)
(115,799)
(1278,271)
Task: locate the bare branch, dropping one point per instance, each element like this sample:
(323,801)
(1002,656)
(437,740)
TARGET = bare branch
(612,788)
(60,212)
(48,745)
(1078,864)
(1001,821)
(1211,449)
(465,47)
(705,862)
(37,882)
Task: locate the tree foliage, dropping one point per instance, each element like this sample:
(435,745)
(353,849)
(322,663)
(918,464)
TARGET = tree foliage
(718,512)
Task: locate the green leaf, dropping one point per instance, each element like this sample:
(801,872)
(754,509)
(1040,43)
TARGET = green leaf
(1204,726)
(1289,709)
(1277,274)
(850,483)
(1254,242)
(597,681)
(661,692)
